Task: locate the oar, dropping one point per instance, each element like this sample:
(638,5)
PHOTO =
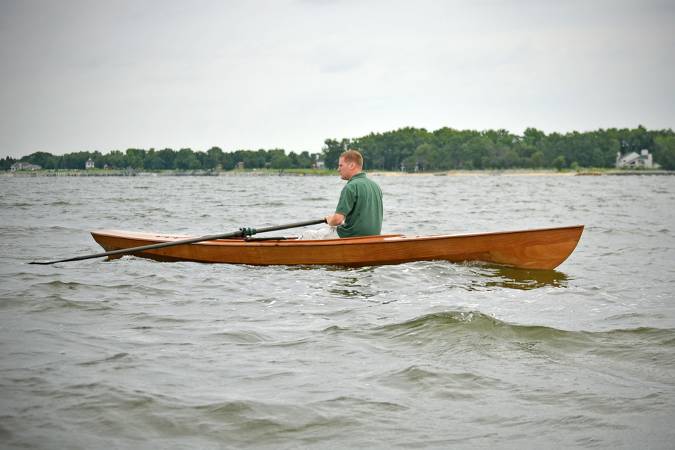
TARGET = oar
(239,233)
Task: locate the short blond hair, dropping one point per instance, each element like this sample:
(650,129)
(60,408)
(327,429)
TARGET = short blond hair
(353,156)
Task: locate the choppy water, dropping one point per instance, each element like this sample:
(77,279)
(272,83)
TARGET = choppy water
(134,353)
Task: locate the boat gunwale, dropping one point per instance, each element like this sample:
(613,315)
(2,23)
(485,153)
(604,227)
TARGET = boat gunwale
(361,240)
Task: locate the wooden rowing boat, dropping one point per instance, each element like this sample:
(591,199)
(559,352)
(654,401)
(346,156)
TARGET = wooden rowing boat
(544,248)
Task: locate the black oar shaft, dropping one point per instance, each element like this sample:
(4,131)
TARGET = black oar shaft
(239,233)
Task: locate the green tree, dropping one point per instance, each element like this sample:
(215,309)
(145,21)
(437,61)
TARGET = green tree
(302,161)
(477,150)
(332,150)
(186,160)
(115,159)
(664,153)
(228,161)
(6,163)
(214,158)
(537,159)
(533,137)
(425,157)
(76,160)
(43,159)
(559,162)
(280,161)
(153,161)
(135,158)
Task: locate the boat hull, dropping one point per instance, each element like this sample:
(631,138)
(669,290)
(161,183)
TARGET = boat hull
(544,248)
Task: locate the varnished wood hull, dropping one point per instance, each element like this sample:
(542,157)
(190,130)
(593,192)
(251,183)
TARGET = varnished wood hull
(543,248)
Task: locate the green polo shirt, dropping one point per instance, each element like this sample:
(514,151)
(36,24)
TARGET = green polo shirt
(361,204)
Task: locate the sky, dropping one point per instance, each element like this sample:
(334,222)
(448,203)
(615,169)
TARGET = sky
(86,75)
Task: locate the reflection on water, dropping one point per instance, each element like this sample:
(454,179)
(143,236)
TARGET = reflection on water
(512,278)
(412,279)
(350,282)
(353,282)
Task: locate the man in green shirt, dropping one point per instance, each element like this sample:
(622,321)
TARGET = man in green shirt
(359,210)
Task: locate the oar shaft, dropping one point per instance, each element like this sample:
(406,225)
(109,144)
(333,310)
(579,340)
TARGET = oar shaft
(287,226)
(132,250)
(210,237)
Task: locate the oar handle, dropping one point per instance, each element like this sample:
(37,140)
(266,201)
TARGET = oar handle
(239,233)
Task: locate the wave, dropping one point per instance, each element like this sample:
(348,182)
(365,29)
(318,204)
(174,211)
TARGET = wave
(16,205)
(239,337)
(256,422)
(459,385)
(36,229)
(61,286)
(115,357)
(61,203)
(354,403)
(433,326)
(56,301)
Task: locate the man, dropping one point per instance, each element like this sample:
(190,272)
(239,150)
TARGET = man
(359,210)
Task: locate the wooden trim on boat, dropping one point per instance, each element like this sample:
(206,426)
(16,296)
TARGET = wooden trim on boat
(543,248)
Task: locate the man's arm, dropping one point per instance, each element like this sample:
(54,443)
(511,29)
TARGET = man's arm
(335,219)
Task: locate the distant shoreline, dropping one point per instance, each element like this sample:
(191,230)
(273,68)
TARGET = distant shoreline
(326,172)
(530,172)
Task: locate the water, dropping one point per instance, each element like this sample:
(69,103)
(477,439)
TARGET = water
(133,353)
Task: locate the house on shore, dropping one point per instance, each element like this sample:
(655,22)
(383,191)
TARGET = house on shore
(89,164)
(633,160)
(24,166)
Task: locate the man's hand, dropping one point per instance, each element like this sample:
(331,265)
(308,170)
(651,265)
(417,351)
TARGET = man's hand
(335,219)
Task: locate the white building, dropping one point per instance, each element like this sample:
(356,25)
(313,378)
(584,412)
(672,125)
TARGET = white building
(633,160)
(89,164)
(24,166)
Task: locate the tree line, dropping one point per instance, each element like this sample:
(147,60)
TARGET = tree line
(449,149)
(169,159)
(407,149)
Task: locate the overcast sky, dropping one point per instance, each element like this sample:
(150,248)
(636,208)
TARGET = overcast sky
(114,74)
